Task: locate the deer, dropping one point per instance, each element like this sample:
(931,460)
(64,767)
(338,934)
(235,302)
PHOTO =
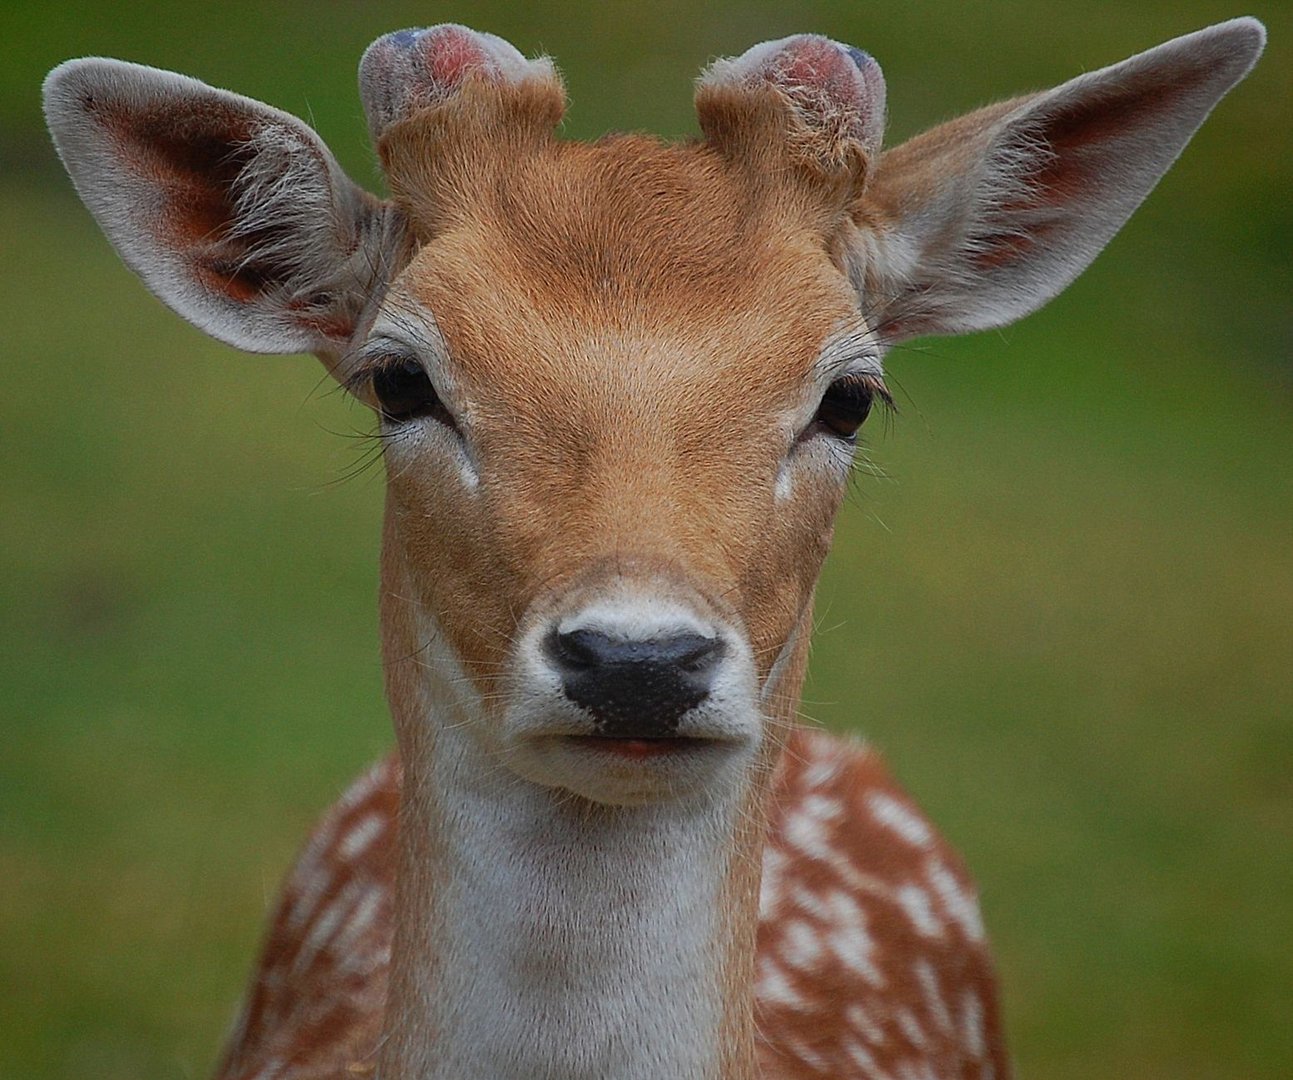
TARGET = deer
(618,387)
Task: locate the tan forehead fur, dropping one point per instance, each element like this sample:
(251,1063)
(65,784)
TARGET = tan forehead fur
(625,255)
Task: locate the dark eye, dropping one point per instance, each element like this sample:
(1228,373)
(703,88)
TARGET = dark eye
(847,403)
(404,392)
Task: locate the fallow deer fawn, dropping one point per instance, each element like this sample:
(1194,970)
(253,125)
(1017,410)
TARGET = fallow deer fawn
(618,386)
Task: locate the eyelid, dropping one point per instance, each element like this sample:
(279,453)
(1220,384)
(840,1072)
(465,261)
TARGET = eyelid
(851,349)
(873,381)
(862,364)
(371,357)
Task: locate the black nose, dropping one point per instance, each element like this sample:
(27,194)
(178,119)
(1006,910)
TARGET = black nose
(636,688)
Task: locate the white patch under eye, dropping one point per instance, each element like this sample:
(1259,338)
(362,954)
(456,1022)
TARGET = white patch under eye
(785,483)
(467,473)
(403,443)
(406,326)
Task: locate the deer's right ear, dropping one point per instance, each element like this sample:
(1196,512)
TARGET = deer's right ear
(233,213)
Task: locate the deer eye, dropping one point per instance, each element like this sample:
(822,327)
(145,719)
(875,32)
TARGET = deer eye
(847,403)
(404,392)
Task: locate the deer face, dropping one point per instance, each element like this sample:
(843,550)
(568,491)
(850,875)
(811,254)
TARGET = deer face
(618,383)
(617,427)
(619,387)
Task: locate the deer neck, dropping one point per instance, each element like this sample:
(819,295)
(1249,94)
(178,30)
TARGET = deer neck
(541,936)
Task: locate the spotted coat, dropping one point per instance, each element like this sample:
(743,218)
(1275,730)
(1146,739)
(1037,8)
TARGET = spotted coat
(872,960)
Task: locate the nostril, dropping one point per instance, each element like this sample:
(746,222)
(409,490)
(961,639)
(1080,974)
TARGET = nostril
(577,648)
(699,653)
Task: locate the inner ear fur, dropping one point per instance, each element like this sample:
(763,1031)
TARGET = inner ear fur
(235,214)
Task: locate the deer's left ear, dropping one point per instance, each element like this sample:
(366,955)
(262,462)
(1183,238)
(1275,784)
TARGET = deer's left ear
(235,214)
(982,220)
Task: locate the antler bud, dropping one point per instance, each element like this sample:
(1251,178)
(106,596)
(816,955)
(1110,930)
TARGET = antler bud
(835,95)
(404,72)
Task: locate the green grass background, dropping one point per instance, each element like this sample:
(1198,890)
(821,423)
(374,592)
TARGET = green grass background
(1066,614)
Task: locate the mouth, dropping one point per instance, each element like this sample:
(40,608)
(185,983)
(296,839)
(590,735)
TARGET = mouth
(643,749)
(629,770)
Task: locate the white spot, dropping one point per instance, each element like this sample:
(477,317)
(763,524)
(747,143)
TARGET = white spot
(860,1056)
(785,485)
(806,832)
(860,1020)
(775,988)
(323,929)
(821,807)
(850,940)
(355,842)
(774,863)
(972,1024)
(823,769)
(315,884)
(801,945)
(928,979)
(916,904)
(808,1056)
(959,904)
(359,922)
(854,949)
(846,912)
(809,901)
(912,1029)
(900,819)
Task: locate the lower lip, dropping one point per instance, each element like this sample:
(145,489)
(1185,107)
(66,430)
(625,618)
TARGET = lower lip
(639,749)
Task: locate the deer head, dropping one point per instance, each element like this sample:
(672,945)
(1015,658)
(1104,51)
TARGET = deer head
(618,384)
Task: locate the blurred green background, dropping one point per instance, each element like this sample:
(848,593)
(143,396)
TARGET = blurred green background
(1065,612)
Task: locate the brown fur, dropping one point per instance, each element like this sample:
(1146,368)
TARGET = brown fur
(629,325)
